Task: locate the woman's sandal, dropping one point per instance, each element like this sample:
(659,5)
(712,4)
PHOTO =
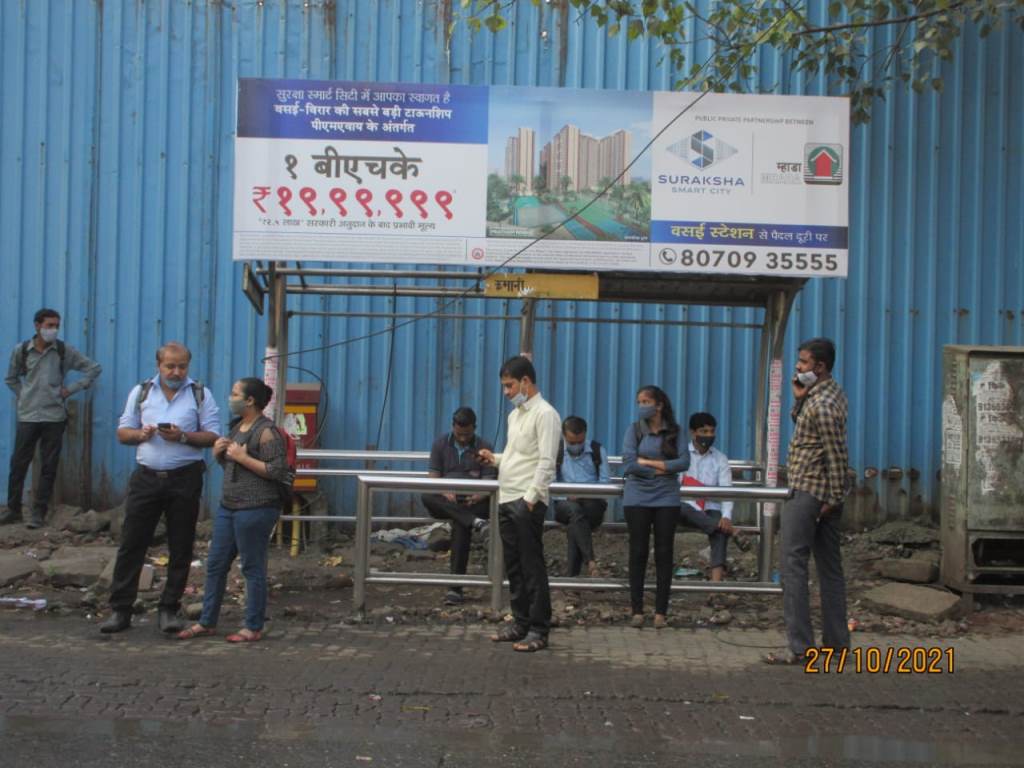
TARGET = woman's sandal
(252,636)
(660,621)
(531,643)
(636,621)
(510,633)
(783,658)
(196,630)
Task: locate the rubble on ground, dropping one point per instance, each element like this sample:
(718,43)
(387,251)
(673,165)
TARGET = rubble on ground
(39,565)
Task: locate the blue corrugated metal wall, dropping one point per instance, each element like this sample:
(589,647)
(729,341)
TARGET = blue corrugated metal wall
(115,207)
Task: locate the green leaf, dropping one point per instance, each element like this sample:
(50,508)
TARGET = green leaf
(495,23)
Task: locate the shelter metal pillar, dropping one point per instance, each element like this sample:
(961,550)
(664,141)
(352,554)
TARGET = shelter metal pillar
(526,327)
(275,364)
(776,318)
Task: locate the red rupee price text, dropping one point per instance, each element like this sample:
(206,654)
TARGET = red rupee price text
(360,202)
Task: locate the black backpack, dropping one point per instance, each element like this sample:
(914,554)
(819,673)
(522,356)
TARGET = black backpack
(285,488)
(23,358)
(595,455)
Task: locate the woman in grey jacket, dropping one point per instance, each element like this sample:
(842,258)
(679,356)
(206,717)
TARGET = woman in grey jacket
(653,455)
(255,465)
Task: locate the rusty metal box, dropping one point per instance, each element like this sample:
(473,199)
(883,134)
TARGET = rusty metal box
(982,518)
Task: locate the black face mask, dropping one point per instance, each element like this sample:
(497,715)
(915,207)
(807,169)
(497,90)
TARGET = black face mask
(703,442)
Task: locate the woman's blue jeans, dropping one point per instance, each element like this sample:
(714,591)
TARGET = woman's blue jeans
(244,532)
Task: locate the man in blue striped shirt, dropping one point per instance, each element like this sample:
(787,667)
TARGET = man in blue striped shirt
(171,419)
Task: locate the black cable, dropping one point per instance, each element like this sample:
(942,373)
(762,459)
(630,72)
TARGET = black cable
(391,361)
(440,311)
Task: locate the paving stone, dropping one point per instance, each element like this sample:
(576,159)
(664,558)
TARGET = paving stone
(106,578)
(419,554)
(78,567)
(90,522)
(929,556)
(146,576)
(14,567)
(912,569)
(904,532)
(116,520)
(61,515)
(912,602)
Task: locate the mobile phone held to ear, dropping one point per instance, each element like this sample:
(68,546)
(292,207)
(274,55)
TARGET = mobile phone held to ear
(165,425)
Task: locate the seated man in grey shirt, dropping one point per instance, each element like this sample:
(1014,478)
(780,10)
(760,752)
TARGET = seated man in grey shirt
(455,455)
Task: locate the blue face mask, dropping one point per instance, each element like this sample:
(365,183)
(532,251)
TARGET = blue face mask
(644,412)
(171,383)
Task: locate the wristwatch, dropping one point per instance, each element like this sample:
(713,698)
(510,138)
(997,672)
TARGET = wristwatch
(183,439)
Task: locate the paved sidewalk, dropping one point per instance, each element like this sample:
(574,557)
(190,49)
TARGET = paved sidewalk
(612,692)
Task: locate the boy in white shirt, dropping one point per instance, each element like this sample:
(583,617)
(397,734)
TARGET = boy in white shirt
(709,466)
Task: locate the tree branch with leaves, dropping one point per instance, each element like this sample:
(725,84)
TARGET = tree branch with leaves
(864,48)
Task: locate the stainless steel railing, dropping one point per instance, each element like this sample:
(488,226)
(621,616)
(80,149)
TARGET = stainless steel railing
(368,484)
(327,454)
(323,454)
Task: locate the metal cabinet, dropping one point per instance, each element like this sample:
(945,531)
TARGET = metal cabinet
(982,517)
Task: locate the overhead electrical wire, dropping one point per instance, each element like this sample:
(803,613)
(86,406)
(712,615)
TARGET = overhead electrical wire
(440,311)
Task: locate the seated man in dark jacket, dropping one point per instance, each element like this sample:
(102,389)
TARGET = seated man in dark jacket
(454,455)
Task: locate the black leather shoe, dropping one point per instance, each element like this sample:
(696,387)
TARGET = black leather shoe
(118,622)
(169,621)
(10,516)
(36,521)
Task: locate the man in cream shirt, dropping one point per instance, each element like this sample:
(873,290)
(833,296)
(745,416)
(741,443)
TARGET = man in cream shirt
(525,470)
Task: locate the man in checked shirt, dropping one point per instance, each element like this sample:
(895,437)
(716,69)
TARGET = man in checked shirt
(817,467)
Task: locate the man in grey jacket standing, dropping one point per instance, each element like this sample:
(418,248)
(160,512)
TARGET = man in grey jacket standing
(36,376)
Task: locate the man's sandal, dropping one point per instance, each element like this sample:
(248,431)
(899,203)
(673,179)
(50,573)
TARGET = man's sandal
(196,630)
(245,636)
(510,633)
(532,643)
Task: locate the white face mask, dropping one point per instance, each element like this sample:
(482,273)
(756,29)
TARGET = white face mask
(807,379)
(520,397)
(49,335)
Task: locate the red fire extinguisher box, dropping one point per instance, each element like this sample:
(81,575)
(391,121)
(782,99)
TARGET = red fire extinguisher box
(301,416)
